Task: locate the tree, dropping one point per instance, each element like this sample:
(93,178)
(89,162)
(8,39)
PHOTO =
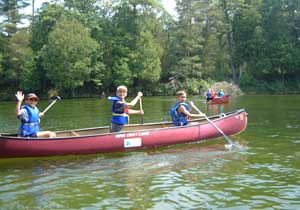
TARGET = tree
(148,60)
(188,44)
(67,56)
(20,63)
(43,24)
(9,10)
(135,44)
(229,9)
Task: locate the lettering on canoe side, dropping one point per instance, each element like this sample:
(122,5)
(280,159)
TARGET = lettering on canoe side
(132,142)
(129,135)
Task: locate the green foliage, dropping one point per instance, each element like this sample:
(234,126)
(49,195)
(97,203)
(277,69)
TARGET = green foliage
(11,16)
(192,86)
(122,72)
(1,60)
(89,47)
(66,58)
(29,78)
(148,60)
(20,60)
(43,24)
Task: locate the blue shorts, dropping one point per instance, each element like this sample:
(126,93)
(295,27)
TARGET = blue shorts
(29,135)
(116,127)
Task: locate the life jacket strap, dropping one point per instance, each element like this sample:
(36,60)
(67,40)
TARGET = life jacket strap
(117,114)
(31,124)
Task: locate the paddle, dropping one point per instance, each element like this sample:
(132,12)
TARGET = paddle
(229,140)
(50,105)
(141,108)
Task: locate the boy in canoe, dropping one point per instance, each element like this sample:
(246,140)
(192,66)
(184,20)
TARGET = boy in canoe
(181,111)
(121,109)
(29,116)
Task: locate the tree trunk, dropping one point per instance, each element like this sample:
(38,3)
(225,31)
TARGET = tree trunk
(229,43)
(32,15)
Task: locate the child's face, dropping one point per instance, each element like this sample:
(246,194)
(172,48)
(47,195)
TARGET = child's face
(182,98)
(122,93)
(32,102)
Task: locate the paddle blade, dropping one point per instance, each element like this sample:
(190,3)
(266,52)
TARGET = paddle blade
(56,98)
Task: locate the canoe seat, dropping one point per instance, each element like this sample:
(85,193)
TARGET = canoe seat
(74,133)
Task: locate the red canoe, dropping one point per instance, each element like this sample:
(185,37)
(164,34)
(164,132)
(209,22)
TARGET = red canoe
(219,100)
(138,136)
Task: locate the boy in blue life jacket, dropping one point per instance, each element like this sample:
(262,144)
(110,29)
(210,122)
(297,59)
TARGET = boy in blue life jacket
(29,116)
(121,108)
(181,111)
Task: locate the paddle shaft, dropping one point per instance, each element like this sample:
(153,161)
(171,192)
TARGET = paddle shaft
(215,126)
(141,108)
(50,105)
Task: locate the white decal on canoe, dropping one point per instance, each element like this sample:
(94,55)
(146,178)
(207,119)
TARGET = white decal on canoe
(129,135)
(132,142)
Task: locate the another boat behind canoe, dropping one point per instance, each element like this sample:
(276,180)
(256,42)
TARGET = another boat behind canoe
(134,137)
(219,100)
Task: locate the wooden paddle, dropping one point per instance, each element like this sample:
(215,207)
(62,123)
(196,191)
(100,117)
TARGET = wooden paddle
(141,108)
(50,105)
(229,140)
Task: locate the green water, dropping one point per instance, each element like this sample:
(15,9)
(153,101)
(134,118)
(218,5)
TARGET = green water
(263,175)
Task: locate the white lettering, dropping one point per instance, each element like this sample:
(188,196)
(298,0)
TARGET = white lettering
(129,135)
(120,136)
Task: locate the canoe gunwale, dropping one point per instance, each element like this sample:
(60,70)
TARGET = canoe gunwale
(198,121)
(131,139)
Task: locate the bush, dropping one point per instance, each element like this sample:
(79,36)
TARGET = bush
(228,88)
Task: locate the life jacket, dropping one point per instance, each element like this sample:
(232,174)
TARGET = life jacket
(120,113)
(32,126)
(221,94)
(209,95)
(179,119)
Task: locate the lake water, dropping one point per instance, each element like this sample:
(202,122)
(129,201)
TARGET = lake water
(262,175)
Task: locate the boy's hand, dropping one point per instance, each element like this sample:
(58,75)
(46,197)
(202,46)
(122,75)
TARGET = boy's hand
(19,96)
(142,112)
(140,94)
(202,115)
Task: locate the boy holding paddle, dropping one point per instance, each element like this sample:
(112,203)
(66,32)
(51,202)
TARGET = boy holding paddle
(121,108)
(29,116)
(181,111)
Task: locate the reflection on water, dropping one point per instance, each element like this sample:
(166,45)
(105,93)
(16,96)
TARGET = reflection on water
(263,175)
(126,181)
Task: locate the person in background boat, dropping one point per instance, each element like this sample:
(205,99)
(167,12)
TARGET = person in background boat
(214,94)
(29,116)
(121,109)
(210,95)
(181,111)
(221,94)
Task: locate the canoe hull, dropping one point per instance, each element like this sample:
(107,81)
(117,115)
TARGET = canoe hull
(223,100)
(230,124)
